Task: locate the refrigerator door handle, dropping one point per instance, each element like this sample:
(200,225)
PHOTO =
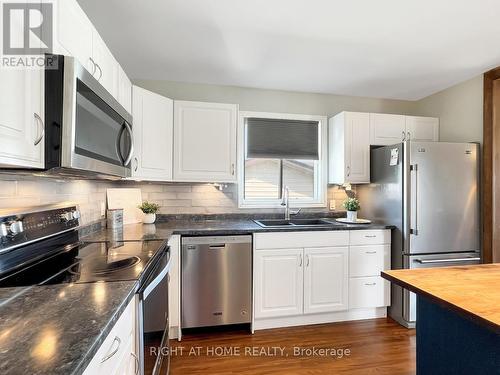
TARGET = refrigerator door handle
(414,230)
(452,260)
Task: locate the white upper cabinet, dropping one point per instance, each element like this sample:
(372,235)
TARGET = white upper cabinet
(205,141)
(124,90)
(106,67)
(422,129)
(349,154)
(153,133)
(325,279)
(278,280)
(22,117)
(386,129)
(74,33)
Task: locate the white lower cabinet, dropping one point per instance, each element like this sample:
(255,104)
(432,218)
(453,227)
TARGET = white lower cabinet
(117,354)
(279,283)
(324,277)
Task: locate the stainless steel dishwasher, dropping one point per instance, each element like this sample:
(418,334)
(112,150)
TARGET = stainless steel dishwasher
(216,281)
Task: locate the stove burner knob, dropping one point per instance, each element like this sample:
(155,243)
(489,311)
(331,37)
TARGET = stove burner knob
(16,227)
(3,230)
(67,216)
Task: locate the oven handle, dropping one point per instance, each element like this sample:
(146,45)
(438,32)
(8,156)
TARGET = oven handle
(149,285)
(131,152)
(452,260)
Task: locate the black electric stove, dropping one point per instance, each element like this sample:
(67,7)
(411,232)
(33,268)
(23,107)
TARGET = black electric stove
(42,248)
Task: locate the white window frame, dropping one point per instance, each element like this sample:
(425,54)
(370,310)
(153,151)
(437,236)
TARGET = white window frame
(321,177)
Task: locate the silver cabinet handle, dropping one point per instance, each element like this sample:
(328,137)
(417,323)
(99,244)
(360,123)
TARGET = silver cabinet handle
(131,152)
(136,365)
(136,164)
(409,136)
(370,236)
(348,171)
(437,261)
(404,136)
(233,169)
(100,72)
(300,264)
(108,356)
(370,252)
(370,284)
(307,260)
(42,132)
(93,65)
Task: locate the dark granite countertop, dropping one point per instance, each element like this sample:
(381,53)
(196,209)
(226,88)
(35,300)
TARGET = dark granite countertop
(207,227)
(57,329)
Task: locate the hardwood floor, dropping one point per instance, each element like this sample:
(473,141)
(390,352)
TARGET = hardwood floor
(378,346)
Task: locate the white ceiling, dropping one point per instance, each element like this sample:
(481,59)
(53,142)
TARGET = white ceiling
(404,49)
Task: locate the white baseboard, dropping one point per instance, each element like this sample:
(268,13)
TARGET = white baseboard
(339,316)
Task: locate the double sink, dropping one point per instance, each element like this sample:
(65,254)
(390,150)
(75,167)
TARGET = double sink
(312,223)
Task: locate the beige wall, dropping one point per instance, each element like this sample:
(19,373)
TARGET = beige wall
(250,99)
(460,110)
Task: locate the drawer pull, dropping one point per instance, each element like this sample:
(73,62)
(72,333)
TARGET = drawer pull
(370,252)
(108,356)
(370,284)
(371,236)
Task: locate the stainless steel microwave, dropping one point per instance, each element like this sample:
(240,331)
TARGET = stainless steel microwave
(87,132)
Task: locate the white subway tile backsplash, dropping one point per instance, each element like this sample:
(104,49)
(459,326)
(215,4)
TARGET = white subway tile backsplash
(178,198)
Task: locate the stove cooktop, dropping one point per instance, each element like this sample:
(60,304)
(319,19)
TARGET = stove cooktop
(86,262)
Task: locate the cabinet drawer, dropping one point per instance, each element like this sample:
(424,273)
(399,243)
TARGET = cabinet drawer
(365,292)
(287,240)
(370,237)
(117,342)
(369,260)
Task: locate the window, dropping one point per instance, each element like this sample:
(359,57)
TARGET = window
(277,151)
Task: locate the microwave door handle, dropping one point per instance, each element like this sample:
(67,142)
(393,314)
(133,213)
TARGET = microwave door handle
(119,146)
(131,152)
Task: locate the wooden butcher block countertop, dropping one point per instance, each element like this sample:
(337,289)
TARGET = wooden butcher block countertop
(470,290)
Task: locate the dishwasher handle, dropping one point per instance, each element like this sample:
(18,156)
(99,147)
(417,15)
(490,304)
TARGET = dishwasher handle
(217,246)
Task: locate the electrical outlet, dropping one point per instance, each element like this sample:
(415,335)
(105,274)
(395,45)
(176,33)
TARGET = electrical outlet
(332,205)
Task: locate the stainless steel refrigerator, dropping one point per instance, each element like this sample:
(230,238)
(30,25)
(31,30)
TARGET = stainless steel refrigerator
(430,192)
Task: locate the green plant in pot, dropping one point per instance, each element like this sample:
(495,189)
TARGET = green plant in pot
(352,206)
(149,210)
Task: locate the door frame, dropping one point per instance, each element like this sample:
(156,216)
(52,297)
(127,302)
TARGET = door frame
(491,166)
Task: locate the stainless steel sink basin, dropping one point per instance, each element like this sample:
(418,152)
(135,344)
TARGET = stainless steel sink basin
(278,223)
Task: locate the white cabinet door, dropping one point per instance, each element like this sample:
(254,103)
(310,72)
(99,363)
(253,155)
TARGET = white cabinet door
(386,129)
(368,292)
(74,32)
(124,90)
(278,278)
(106,71)
(357,147)
(422,129)
(205,141)
(153,133)
(22,116)
(325,279)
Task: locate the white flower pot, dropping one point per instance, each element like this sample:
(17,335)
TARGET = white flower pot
(352,216)
(149,218)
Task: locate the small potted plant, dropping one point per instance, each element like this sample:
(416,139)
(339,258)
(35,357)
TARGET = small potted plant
(352,206)
(149,210)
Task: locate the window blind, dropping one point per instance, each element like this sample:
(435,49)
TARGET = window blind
(282,139)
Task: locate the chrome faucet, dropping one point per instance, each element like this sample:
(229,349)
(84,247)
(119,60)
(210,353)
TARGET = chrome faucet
(285,202)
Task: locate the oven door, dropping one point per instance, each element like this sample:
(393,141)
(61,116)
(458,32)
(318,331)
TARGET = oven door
(153,319)
(97,131)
